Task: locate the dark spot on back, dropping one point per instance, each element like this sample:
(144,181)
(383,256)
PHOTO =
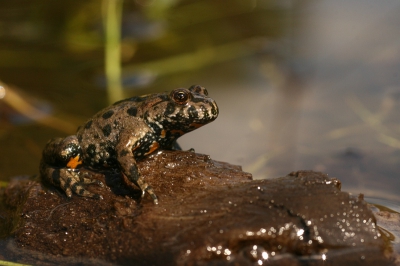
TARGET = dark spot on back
(88,124)
(132,111)
(91,150)
(106,130)
(108,114)
(111,150)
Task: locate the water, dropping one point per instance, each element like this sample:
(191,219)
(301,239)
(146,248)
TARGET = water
(327,100)
(300,85)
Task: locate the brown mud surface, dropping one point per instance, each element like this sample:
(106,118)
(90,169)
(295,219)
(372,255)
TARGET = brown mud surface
(209,213)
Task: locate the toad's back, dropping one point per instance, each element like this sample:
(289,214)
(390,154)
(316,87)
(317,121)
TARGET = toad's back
(99,136)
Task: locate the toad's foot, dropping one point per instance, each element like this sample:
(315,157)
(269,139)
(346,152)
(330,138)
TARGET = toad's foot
(146,188)
(73,181)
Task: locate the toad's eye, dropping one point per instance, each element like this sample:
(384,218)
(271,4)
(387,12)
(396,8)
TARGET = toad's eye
(181,96)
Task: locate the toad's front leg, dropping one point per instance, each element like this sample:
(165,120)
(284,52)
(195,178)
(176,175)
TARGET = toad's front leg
(129,148)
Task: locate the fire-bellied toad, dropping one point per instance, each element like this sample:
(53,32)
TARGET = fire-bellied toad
(120,135)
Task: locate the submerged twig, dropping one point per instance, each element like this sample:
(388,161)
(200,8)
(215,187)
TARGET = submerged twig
(20,104)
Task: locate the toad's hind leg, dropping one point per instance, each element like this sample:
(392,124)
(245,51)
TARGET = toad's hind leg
(60,160)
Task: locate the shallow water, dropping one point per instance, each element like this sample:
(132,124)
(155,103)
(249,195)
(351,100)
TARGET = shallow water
(300,85)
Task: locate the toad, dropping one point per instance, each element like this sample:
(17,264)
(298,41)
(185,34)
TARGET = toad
(122,134)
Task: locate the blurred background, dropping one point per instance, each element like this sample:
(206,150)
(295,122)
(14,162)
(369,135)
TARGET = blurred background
(301,85)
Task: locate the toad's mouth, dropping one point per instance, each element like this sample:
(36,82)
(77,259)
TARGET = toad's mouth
(196,125)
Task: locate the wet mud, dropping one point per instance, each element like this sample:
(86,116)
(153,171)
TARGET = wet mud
(209,213)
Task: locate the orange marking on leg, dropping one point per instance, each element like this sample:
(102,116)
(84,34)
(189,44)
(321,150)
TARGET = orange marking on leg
(153,147)
(74,162)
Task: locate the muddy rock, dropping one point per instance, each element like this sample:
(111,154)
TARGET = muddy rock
(209,213)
